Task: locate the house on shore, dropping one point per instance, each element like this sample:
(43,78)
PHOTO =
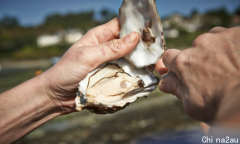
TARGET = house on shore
(69,36)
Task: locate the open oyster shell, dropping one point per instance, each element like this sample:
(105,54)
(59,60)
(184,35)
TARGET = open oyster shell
(106,89)
(141,16)
(112,86)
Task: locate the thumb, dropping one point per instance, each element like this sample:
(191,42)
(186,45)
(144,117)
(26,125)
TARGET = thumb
(171,84)
(98,54)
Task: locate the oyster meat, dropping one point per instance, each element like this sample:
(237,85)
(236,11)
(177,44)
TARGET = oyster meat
(141,16)
(115,84)
(107,89)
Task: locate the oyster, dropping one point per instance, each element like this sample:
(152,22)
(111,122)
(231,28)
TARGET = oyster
(107,89)
(115,84)
(141,16)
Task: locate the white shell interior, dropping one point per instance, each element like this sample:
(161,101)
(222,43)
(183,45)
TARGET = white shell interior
(137,15)
(136,74)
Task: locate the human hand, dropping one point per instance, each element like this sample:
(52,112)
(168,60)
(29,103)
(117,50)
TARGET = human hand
(99,45)
(206,74)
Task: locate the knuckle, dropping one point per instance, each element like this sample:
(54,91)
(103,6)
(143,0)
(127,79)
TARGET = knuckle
(217,29)
(179,61)
(83,57)
(214,28)
(90,32)
(176,86)
(232,32)
(114,45)
(103,33)
(166,54)
(93,30)
(81,52)
(203,39)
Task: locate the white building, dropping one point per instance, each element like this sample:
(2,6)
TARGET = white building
(48,40)
(73,35)
(70,37)
(176,21)
(171,33)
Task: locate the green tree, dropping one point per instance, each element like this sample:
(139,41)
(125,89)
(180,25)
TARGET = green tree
(217,17)
(194,12)
(107,15)
(83,20)
(9,22)
(237,12)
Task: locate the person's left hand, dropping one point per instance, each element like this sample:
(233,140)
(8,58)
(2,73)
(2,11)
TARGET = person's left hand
(99,45)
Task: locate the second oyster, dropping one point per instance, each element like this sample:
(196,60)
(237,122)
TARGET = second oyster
(142,16)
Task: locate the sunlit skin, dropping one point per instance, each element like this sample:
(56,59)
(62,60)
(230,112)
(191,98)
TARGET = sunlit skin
(207,79)
(51,94)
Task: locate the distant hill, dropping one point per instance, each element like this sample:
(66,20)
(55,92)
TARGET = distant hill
(17,42)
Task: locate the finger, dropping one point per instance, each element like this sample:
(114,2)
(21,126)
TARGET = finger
(96,55)
(101,34)
(172,85)
(217,30)
(160,67)
(169,59)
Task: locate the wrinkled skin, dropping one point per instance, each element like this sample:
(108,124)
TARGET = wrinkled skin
(99,45)
(51,94)
(207,79)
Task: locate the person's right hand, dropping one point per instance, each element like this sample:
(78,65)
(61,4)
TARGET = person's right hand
(207,75)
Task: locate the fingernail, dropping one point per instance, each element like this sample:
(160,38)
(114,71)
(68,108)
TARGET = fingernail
(168,75)
(164,87)
(164,76)
(131,38)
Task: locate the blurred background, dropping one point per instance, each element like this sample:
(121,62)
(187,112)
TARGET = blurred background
(35,34)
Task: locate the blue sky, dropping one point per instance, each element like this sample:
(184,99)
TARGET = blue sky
(33,12)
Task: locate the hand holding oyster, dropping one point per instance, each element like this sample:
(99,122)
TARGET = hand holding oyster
(109,87)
